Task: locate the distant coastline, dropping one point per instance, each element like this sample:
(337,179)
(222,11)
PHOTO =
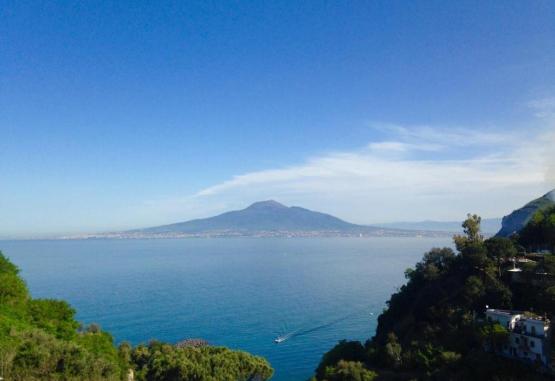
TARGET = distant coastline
(375,232)
(264,219)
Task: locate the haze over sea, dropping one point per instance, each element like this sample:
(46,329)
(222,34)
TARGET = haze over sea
(236,292)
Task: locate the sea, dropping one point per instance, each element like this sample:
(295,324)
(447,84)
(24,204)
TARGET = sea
(242,293)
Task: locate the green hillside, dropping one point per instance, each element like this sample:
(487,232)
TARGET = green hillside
(539,233)
(434,329)
(41,340)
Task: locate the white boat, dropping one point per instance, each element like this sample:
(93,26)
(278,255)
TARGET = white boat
(278,340)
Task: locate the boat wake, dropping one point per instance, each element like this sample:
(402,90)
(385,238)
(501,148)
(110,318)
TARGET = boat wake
(301,332)
(281,339)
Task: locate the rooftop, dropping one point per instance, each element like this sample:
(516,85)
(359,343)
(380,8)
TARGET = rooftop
(504,312)
(524,315)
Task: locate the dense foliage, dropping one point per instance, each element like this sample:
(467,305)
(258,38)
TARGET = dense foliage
(159,361)
(41,340)
(539,233)
(433,327)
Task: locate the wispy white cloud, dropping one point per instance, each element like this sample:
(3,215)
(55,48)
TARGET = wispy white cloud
(549,155)
(543,107)
(417,172)
(384,147)
(452,136)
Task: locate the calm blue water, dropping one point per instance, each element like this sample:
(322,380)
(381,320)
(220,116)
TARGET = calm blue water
(240,293)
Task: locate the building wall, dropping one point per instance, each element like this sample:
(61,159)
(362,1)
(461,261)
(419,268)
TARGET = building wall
(525,347)
(530,343)
(535,327)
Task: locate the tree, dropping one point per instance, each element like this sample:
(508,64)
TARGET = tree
(124,353)
(344,350)
(473,290)
(54,316)
(6,266)
(12,289)
(539,233)
(392,351)
(166,362)
(471,227)
(500,249)
(93,328)
(437,261)
(7,353)
(349,371)
(471,244)
(494,336)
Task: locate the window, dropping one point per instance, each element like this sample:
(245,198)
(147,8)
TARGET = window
(533,330)
(532,343)
(517,340)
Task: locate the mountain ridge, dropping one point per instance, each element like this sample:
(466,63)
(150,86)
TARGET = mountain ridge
(265,219)
(268,215)
(517,219)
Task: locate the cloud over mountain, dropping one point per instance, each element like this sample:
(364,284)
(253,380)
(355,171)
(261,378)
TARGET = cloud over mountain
(421,173)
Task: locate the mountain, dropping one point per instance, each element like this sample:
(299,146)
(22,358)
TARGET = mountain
(515,221)
(263,219)
(263,216)
(489,225)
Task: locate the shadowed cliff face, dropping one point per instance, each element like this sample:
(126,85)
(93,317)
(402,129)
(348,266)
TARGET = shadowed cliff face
(515,221)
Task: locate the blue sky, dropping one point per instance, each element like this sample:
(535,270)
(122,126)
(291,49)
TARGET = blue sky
(124,114)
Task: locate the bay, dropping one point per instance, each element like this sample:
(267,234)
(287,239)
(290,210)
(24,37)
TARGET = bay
(237,292)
